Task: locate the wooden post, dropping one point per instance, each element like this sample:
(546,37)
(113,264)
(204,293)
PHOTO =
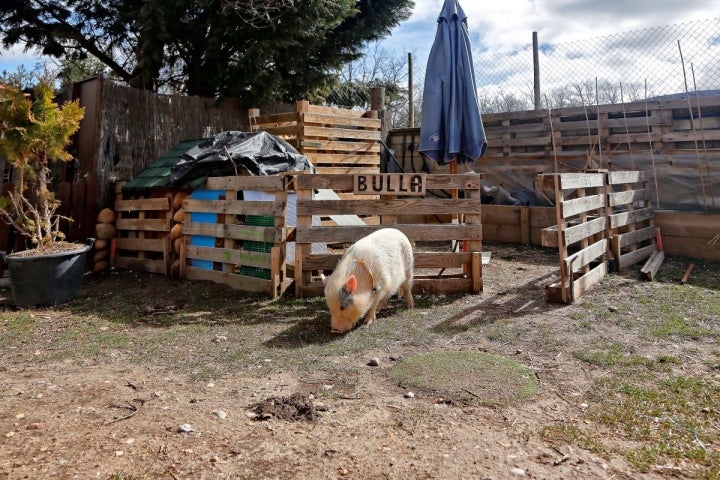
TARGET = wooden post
(536,72)
(411,109)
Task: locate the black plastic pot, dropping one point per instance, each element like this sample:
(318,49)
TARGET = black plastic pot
(46,280)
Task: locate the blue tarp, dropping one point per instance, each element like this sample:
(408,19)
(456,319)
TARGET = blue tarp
(451,127)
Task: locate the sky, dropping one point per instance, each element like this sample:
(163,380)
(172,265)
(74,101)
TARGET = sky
(508,24)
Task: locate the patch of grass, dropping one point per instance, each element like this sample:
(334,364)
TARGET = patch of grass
(614,355)
(469,376)
(126,476)
(674,326)
(564,433)
(673,421)
(18,322)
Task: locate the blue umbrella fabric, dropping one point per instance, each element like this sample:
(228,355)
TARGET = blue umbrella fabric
(451,127)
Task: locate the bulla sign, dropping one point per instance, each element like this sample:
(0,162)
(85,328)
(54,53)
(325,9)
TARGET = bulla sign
(389,184)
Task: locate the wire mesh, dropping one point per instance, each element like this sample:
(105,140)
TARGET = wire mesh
(643,62)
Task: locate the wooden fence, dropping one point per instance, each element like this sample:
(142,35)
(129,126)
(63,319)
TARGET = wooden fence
(455,270)
(234,239)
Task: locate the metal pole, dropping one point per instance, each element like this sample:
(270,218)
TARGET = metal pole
(411,109)
(536,72)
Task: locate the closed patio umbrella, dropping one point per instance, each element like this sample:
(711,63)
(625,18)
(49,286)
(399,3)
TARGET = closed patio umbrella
(451,128)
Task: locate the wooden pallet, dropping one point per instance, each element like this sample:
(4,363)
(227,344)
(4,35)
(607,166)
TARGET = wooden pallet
(631,221)
(580,233)
(335,140)
(143,234)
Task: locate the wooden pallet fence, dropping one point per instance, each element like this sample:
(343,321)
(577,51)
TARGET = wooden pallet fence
(335,140)
(143,234)
(455,270)
(247,237)
(580,233)
(608,129)
(631,221)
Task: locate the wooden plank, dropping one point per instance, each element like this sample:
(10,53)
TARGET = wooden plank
(692,225)
(135,205)
(143,224)
(344,170)
(343,133)
(651,267)
(339,146)
(405,184)
(230,256)
(289,130)
(140,244)
(237,232)
(387,207)
(585,256)
(698,136)
(476,272)
(267,183)
(626,176)
(434,181)
(584,230)
(525,225)
(341,121)
(238,282)
(433,286)
(421,286)
(631,258)
(571,181)
(549,236)
(636,236)
(338,112)
(629,197)
(437,232)
(274,119)
(691,247)
(587,281)
(438,260)
(234,207)
(343,158)
(622,219)
(577,206)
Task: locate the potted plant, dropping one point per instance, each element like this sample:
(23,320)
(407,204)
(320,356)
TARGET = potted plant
(34,131)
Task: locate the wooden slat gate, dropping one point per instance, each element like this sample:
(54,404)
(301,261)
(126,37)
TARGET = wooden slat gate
(459,271)
(244,255)
(581,225)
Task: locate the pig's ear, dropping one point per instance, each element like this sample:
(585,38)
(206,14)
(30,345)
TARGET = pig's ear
(351,285)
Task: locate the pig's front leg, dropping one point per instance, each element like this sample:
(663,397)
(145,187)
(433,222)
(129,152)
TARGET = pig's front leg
(370,317)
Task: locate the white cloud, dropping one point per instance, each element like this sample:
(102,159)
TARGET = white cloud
(509,24)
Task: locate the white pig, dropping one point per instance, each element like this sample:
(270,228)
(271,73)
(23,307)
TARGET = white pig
(372,270)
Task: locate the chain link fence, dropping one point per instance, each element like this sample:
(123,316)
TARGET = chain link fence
(623,67)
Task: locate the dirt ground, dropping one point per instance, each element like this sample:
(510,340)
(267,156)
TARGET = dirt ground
(126,413)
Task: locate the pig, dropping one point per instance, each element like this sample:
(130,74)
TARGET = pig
(372,270)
